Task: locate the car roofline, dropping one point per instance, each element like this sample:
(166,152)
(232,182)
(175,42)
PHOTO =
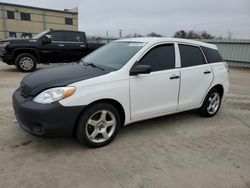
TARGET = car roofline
(154,40)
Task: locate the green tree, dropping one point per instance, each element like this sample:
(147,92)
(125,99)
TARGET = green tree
(193,35)
(153,34)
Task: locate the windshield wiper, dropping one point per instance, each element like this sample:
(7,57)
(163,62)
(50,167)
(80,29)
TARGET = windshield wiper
(92,65)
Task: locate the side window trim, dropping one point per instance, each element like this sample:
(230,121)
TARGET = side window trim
(204,55)
(194,45)
(177,56)
(57,41)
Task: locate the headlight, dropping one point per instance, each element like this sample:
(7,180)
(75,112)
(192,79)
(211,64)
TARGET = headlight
(54,94)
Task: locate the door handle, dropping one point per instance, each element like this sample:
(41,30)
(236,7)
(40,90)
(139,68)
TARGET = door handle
(82,46)
(61,45)
(174,77)
(207,72)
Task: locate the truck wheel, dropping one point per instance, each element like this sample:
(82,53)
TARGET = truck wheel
(25,62)
(98,125)
(211,104)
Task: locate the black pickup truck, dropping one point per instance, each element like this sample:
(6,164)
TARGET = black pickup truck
(51,46)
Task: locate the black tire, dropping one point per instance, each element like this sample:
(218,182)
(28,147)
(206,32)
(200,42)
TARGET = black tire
(29,65)
(84,128)
(204,109)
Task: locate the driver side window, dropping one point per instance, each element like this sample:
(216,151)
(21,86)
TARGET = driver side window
(160,58)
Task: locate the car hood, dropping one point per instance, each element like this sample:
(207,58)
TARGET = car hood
(60,75)
(17,40)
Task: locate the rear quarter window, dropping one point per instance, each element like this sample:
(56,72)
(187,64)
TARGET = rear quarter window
(212,55)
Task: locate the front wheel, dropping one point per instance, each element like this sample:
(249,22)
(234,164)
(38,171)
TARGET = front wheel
(211,103)
(98,125)
(25,62)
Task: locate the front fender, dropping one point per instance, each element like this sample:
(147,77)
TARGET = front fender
(115,90)
(27,50)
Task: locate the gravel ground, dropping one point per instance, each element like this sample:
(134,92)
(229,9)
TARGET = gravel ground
(182,150)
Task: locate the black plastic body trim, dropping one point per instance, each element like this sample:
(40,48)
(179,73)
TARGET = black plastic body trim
(174,77)
(47,120)
(207,72)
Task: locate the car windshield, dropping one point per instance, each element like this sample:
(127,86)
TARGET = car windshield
(40,34)
(114,55)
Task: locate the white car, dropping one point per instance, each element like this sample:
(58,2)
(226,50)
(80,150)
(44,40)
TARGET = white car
(123,82)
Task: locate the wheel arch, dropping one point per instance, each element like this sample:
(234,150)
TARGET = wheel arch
(115,103)
(217,86)
(220,89)
(28,51)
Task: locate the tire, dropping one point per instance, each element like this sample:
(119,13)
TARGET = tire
(98,125)
(211,104)
(25,62)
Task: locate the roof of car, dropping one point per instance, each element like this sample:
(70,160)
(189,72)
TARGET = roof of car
(163,39)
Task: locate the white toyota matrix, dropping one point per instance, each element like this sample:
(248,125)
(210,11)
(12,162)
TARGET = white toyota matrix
(122,82)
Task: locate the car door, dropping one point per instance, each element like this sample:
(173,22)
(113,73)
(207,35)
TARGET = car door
(196,77)
(74,45)
(156,93)
(53,52)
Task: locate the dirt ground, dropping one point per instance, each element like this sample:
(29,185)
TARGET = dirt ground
(182,150)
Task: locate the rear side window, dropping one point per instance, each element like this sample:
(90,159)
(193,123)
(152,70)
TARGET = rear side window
(72,36)
(212,55)
(160,58)
(191,56)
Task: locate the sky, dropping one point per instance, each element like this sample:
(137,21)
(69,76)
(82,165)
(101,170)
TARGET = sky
(97,17)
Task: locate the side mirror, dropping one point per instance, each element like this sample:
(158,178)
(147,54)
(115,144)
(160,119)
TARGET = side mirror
(46,39)
(140,69)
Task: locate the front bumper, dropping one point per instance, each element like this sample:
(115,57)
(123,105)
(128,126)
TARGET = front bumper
(9,59)
(48,120)
(6,57)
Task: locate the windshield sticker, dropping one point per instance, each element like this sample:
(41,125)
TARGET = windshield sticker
(137,44)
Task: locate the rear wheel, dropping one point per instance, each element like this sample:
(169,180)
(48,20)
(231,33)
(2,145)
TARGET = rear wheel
(98,125)
(211,103)
(25,62)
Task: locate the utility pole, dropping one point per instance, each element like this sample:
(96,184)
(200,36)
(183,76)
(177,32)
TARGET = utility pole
(120,33)
(107,35)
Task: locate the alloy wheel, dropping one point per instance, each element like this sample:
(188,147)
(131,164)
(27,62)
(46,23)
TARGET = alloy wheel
(213,103)
(100,126)
(26,63)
